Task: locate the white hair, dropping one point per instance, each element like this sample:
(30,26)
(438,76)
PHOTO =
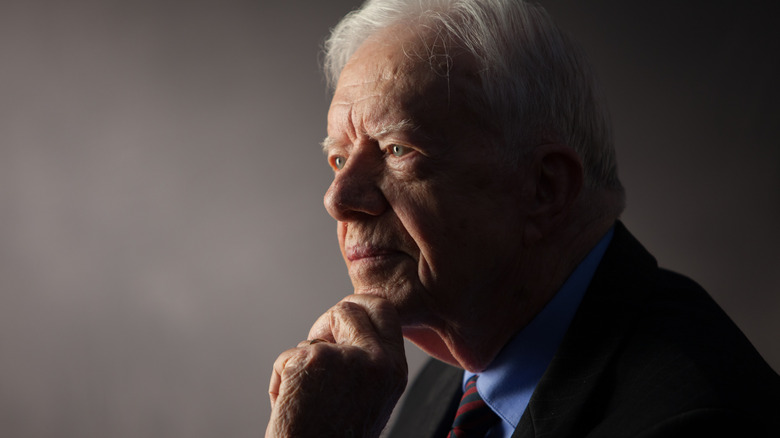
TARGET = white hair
(534,85)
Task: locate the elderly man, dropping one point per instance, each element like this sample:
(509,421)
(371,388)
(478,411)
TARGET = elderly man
(477,198)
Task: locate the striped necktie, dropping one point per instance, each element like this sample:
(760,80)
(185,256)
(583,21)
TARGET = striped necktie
(474,416)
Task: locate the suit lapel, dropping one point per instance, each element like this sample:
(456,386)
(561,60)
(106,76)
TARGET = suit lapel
(431,402)
(569,397)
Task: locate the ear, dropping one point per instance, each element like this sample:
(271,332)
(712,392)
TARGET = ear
(554,180)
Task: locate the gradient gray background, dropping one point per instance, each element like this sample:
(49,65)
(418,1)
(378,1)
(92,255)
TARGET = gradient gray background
(162,236)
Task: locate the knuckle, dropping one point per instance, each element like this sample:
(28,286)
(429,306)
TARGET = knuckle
(308,363)
(347,308)
(293,361)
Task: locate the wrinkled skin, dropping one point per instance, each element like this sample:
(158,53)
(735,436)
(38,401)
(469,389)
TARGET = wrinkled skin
(347,385)
(431,228)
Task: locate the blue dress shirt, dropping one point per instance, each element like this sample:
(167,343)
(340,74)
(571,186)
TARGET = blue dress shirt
(507,384)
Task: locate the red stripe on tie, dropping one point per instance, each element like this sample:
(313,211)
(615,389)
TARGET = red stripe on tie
(474,417)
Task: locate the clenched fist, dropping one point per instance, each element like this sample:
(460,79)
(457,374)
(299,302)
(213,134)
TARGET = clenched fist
(347,385)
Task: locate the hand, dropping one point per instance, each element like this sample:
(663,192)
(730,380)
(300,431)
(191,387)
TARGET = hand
(347,385)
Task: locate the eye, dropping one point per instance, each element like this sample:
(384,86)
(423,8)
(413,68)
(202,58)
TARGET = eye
(339,161)
(398,150)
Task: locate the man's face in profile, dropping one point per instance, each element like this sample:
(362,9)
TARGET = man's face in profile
(427,216)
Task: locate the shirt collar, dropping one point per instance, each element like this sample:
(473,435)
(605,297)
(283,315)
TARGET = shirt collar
(507,384)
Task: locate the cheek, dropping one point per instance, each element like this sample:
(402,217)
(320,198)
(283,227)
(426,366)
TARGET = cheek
(452,217)
(424,220)
(415,205)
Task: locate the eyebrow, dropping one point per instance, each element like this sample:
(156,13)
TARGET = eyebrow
(383,131)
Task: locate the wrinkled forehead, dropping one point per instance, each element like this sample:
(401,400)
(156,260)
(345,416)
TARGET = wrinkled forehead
(411,75)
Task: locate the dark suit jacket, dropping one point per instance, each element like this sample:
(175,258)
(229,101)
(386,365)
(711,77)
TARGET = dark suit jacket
(648,354)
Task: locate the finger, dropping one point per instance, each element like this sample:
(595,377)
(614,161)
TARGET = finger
(351,324)
(343,323)
(274,386)
(363,319)
(383,316)
(321,328)
(312,341)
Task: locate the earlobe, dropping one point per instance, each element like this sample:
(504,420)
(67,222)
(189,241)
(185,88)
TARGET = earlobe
(556,178)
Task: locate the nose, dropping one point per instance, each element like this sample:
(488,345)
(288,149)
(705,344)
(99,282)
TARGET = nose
(355,190)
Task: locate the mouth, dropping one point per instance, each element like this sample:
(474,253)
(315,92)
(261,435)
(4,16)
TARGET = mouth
(367,252)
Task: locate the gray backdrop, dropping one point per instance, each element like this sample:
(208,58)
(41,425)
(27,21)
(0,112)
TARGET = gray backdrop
(162,236)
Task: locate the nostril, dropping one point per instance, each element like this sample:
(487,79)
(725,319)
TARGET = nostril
(350,196)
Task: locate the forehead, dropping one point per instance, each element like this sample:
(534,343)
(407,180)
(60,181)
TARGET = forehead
(398,76)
